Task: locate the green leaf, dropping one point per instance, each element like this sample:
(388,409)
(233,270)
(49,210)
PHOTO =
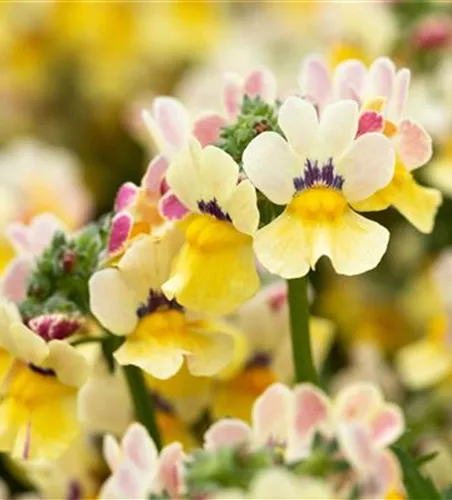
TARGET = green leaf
(418,486)
(428,457)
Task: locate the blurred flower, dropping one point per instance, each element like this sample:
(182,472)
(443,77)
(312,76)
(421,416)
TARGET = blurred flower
(434,32)
(264,355)
(439,171)
(159,334)
(215,270)
(138,470)
(318,176)
(29,241)
(38,411)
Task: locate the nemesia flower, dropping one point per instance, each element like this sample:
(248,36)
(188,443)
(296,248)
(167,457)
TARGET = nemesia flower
(358,417)
(320,171)
(138,470)
(159,334)
(215,270)
(382,92)
(29,242)
(264,355)
(45,179)
(38,411)
(280,483)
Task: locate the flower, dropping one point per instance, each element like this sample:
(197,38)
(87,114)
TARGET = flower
(159,334)
(316,174)
(263,352)
(29,241)
(215,270)
(137,470)
(382,92)
(38,411)
(361,421)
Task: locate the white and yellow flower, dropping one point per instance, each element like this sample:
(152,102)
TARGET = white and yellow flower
(215,270)
(38,417)
(159,334)
(317,173)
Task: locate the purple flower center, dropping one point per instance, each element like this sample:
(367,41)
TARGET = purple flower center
(316,176)
(157,301)
(213,208)
(258,359)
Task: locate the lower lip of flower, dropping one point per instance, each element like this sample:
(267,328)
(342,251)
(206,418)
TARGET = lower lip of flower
(318,204)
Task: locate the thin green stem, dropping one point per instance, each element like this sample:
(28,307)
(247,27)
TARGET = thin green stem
(142,401)
(87,340)
(299,329)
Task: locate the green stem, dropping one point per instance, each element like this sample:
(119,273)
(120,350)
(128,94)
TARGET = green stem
(142,401)
(299,329)
(86,340)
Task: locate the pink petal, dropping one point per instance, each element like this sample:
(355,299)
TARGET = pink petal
(42,229)
(277,297)
(415,144)
(261,82)
(127,483)
(399,97)
(111,452)
(121,227)
(171,208)
(139,448)
(233,95)
(18,235)
(125,196)
(207,128)
(15,278)
(154,175)
(170,473)
(358,401)
(173,121)
(357,446)
(370,121)
(388,425)
(382,73)
(314,80)
(272,414)
(312,411)
(384,476)
(349,80)
(226,433)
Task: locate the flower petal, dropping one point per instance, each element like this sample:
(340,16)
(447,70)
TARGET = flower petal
(172,120)
(170,470)
(139,448)
(338,127)
(233,94)
(299,122)
(357,402)
(415,144)
(226,433)
(111,452)
(113,301)
(388,425)
(261,82)
(42,229)
(27,345)
(242,207)
(152,179)
(171,207)
(397,102)
(271,166)
(125,196)
(357,446)
(121,228)
(314,80)
(381,77)
(207,128)
(18,235)
(15,278)
(208,353)
(349,79)
(367,166)
(69,364)
(283,248)
(354,244)
(272,414)
(370,121)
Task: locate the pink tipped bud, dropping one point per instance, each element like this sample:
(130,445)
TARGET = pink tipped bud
(55,326)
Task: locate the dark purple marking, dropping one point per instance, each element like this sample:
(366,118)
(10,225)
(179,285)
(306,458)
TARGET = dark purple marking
(162,404)
(46,372)
(314,176)
(258,359)
(156,301)
(212,208)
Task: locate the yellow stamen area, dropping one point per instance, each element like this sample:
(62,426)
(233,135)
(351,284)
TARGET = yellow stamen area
(32,389)
(318,205)
(208,234)
(344,50)
(375,104)
(390,129)
(161,323)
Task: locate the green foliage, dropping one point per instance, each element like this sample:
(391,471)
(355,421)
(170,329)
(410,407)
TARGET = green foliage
(226,468)
(59,282)
(418,486)
(255,116)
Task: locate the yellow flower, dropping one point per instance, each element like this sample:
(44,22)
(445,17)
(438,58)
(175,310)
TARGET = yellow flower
(38,411)
(160,335)
(317,174)
(215,270)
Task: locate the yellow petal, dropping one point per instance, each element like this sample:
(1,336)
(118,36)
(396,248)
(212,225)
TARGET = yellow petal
(424,364)
(215,270)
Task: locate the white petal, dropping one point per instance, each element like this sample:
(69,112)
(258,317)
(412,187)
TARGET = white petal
(349,79)
(271,166)
(27,345)
(367,167)
(397,103)
(242,207)
(314,80)
(381,78)
(338,128)
(113,302)
(298,120)
(69,364)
